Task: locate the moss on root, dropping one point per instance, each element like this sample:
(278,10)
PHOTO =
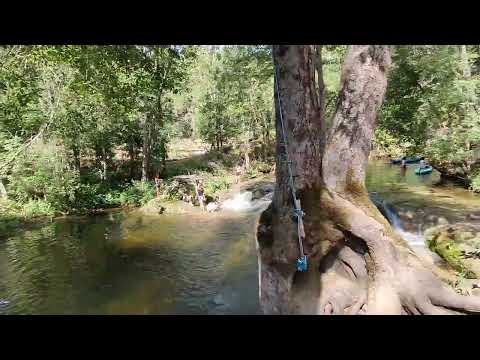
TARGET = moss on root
(444,244)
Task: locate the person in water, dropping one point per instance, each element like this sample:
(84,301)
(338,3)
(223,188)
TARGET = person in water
(200,193)
(404,163)
(423,163)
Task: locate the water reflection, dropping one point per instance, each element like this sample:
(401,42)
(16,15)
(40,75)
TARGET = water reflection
(128,263)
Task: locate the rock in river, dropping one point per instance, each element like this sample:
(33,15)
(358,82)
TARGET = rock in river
(459,245)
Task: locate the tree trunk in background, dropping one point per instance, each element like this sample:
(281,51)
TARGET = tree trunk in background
(104,164)
(100,156)
(163,170)
(146,146)
(131,155)
(76,158)
(467,73)
(357,264)
(246,151)
(3,191)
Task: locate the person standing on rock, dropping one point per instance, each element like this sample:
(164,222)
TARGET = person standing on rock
(200,193)
(158,184)
(238,173)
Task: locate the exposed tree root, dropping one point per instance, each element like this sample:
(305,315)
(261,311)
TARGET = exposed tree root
(372,271)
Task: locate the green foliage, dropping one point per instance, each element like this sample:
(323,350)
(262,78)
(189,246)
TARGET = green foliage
(386,144)
(217,184)
(43,174)
(85,103)
(432,106)
(234,101)
(475,181)
(138,193)
(332,59)
(35,208)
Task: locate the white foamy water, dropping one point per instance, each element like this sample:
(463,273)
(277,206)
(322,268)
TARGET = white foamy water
(414,240)
(244,202)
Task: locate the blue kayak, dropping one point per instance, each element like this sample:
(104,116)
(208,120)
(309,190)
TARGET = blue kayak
(408,161)
(423,171)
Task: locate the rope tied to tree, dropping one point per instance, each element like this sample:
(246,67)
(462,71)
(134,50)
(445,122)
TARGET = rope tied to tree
(298,212)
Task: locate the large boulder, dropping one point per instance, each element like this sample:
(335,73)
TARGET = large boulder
(259,189)
(181,186)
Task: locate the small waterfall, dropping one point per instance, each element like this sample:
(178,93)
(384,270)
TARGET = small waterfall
(244,202)
(240,202)
(392,216)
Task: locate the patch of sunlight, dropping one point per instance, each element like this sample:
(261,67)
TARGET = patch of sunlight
(150,297)
(235,256)
(181,231)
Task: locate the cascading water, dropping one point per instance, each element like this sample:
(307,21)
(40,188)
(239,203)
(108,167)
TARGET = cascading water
(391,215)
(244,202)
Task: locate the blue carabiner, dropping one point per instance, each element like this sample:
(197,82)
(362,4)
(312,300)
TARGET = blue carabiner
(302,263)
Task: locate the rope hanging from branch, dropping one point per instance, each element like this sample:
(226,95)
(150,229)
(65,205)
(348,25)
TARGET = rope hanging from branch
(298,212)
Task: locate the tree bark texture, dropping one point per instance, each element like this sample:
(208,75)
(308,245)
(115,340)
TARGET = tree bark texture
(357,264)
(146,148)
(467,72)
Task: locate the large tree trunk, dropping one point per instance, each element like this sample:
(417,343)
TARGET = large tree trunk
(357,264)
(101,159)
(131,155)
(146,148)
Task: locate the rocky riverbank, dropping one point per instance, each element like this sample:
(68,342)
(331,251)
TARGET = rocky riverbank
(464,172)
(247,195)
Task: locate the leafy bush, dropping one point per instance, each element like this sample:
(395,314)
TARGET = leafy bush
(217,184)
(138,193)
(89,196)
(44,174)
(34,208)
(475,182)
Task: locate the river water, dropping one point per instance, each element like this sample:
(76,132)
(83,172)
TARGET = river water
(195,263)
